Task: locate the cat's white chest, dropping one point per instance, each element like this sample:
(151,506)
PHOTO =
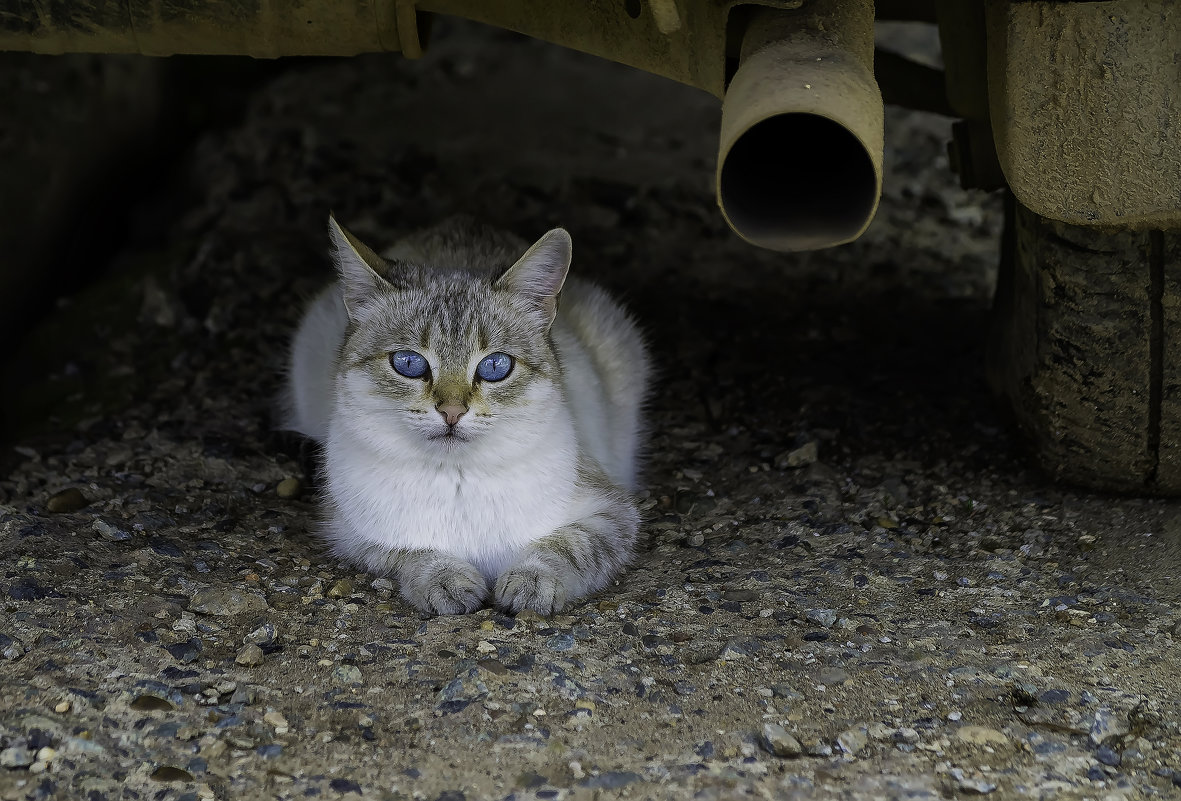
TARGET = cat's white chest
(483,515)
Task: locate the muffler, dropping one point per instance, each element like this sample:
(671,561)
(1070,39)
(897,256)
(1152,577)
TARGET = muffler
(800,155)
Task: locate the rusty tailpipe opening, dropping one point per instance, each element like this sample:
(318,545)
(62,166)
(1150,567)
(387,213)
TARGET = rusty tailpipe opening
(800,152)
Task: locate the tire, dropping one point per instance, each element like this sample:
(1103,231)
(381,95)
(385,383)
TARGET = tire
(1086,349)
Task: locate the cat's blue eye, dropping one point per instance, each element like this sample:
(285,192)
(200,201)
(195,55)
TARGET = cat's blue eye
(495,367)
(408,363)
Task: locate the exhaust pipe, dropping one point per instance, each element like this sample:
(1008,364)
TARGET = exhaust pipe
(800,152)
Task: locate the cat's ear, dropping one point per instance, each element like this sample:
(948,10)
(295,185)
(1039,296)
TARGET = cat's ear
(360,269)
(540,273)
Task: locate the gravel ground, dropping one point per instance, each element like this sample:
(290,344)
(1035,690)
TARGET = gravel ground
(853,586)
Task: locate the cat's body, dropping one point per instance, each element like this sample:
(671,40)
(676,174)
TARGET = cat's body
(515,486)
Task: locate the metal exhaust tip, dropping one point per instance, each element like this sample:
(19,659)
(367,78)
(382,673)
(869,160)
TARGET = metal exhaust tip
(798,181)
(802,135)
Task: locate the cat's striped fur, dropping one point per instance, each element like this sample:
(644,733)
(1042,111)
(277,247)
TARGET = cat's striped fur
(526,501)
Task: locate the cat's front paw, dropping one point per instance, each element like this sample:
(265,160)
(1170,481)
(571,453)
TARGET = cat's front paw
(535,587)
(453,587)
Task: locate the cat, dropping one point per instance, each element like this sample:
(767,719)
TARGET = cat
(481,441)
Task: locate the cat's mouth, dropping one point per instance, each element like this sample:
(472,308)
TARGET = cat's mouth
(449,437)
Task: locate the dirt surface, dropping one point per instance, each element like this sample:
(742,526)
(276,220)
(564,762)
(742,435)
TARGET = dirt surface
(853,587)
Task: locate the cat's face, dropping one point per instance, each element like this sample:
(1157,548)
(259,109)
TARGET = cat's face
(449,362)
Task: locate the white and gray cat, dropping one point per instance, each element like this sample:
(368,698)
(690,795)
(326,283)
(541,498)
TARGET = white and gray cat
(480,443)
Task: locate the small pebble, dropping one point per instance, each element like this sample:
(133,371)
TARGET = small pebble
(16,756)
(347,674)
(68,500)
(62,707)
(821,617)
(263,635)
(971,785)
(852,741)
(493,666)
(1108,756)
(799,457)
(249,656)
(906,735)
(226,602)
(341,589)
(776,740)
(11,648)
(1024,693)
(109,532)
(289,488)
(981,735)
(560,642)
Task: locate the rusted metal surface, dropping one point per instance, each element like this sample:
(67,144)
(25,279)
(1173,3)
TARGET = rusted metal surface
(168,27)
(680,39)
(800,152)
(1085,103)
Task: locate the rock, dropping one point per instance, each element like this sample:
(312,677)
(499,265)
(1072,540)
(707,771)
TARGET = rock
(560,642)
(109,532)
(249,656)
(243,695)
(1057,718)
(906,735)
(347,674)
(852,741)
(289,488)
(226,602)
(187,651)
(11,648)
(699,652)
(68,500)
(276,719)
(821,617)
(831,676)
(972,786)
(611,780)
(738,647)
(341,589)
(263,635)
(802,456)
(776,740)
(1109,723)
(16,756)
(741,596)
(1108,756)
(493,666)
(981,735)
(1024,693)
(817,748)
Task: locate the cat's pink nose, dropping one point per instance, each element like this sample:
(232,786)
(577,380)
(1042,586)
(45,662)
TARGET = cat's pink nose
(451,412)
